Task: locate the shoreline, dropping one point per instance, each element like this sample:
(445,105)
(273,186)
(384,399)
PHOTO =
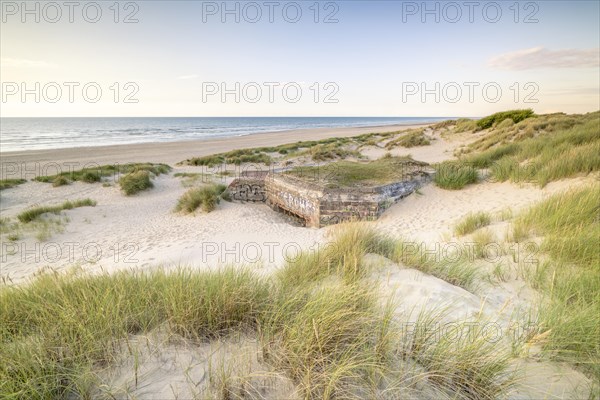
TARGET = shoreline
(174,152)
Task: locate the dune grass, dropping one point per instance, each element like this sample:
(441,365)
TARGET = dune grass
(10,183)
(471,223)
(541,149)
(454,175)
(318,150)
(342,256)
(60,181)
(457,269)
(135,182)
(95,174)
(55,331)
(412,139)
(32,214)
(498,118)
(206,197)
(322,326)
(570,227)
(467,365)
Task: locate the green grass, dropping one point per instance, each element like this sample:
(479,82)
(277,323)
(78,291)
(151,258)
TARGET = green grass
(32,214)
(236,157)
(324,336)
(95,174)
(60,181)
(135,182)
(469,366)
(454,175)
(570,227)
(540,150)
(458,270)
(471,223)
(56,330)
(500,117)
(465,125)
(349,173)
(318,150)
(322,325)
(10,183)
(330,151)
(343,256)
(206,197)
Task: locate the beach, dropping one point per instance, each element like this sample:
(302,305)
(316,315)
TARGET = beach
(174,152)
(143,233)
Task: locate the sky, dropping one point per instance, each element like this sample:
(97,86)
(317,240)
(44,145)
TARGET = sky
(303,58)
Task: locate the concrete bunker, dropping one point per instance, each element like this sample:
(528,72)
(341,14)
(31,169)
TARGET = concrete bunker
(324,195)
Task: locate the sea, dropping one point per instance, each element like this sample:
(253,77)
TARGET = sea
(18,134)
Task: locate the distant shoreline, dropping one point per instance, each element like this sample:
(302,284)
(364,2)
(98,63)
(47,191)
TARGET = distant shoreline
(25,134)
(175,151)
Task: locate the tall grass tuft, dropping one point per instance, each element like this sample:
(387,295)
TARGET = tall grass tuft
(328,339)
(471,223)
(570,226)
(541,149)
(135,182)
(60,327)
(342,256)
(206,197)
(465,362)
(454,175)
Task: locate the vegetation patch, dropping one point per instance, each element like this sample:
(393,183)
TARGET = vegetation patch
(10,183)
(570,227)
(413,139)
(322,326)
(33,213)
(205,197)
(454,175)
(568,146)
(95,174)
(135,182)
(318,150)
(60,181)
(471,223)
(514,115)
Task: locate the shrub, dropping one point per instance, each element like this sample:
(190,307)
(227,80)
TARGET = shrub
(135,182)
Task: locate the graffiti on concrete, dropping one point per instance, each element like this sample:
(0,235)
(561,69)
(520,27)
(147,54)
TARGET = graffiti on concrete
(249,192)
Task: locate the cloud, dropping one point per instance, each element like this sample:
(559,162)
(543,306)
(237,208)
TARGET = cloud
(185,77)
(540,57)
(23,63)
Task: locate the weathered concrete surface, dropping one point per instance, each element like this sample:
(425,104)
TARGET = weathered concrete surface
(320,206)
(249,187)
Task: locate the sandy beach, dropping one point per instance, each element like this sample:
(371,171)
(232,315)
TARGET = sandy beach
(142,232)
(312,200)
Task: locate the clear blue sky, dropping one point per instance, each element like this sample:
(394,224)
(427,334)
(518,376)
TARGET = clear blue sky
(375,54)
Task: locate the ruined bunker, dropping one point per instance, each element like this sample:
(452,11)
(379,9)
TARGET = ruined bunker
(324,195)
